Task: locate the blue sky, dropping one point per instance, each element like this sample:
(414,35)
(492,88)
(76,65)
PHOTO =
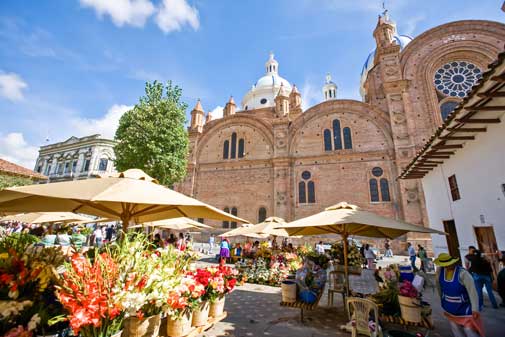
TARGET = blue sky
(72,67)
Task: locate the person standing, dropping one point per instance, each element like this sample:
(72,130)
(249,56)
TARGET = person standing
(501,280)
(370,257)
(98,235)
(212,239)
(458,296)
(388,252)
(423,256)
(412,255)
(482,274)
(320,248)
(224,251)
(181,243)
(469,257)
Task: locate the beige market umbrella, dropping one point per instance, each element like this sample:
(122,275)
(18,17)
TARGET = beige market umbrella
(266,228)
(243,231)
(181,223)
(346,219)
(130,196)
(47,217)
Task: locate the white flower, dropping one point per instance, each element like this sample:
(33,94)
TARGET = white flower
(34,321)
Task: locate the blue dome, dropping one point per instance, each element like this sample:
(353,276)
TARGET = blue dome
(401,40)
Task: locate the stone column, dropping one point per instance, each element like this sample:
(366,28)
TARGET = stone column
(281,166)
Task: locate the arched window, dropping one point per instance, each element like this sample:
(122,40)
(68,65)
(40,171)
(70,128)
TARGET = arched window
(302,196)
(262,214)
(385,189)
(347,138)
(336,135)
(226,149)
(374,190)
(327,140)
(234,212)
(241,150)
(233,149)
(226,224)
(312,192)
(447,107)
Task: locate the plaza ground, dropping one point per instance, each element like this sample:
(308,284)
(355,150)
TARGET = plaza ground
(254,310)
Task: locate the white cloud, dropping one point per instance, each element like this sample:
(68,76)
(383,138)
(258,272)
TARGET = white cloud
(14,148)
(11,86)
(122,12)
(311,95)
(106,125)
(173,14)
(217,112)
(410,25)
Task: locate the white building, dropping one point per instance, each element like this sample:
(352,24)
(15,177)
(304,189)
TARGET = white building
(76,158)
(462,168)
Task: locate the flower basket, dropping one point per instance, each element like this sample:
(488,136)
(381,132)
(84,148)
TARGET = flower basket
(410,308)
(288,291)
(180,326)
(201,314)
(146,327)
(217,307)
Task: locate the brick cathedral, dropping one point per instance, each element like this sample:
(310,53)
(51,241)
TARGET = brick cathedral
(268,157)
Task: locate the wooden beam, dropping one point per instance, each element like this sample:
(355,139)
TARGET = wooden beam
(486,108)
(479,120)
(467,129)
(492,94)
(458,138)
(499,78)
(455,146)
(437,156)
(430,162)
(440,152)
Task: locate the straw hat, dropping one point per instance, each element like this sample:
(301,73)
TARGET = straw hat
(444,260)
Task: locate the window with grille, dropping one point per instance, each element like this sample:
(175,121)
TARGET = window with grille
(453,186)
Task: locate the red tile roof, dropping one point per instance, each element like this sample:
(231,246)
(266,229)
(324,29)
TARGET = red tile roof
(9,168)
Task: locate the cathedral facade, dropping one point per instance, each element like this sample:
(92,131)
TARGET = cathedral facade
(268,157)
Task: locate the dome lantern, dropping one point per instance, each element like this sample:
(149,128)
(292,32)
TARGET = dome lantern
(263,93)
(329,89)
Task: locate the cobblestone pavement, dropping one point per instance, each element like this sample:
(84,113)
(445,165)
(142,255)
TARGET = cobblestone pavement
(254,310)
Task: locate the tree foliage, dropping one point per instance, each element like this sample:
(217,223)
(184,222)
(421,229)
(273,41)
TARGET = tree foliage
(152,135)
(13,181)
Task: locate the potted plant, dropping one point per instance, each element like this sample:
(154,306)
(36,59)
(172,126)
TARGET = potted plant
(410,303)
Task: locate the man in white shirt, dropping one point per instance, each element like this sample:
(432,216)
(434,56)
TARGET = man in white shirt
(97,233)
(412,255)
(320,247)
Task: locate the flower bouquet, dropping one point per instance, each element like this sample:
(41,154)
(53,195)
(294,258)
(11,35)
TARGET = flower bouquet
(91,292)
(27,278)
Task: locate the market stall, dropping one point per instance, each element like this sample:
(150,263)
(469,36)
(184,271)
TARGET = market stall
(346,220)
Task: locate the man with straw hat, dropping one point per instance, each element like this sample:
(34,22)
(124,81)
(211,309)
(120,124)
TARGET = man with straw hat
(458,294)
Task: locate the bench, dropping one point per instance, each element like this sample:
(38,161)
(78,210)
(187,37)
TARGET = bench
(302,305)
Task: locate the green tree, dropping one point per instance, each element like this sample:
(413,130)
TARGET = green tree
(13,181)
(152,135)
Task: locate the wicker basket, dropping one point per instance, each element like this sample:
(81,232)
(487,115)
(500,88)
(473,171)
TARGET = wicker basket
(217,307)
(201,314)
(288,291)
(147,327)
(410,308)
(181,326)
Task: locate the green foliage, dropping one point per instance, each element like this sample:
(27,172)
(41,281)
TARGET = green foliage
(152,136)
(13,181)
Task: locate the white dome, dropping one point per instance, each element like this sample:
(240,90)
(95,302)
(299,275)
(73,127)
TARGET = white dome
(272,80)
(263,93)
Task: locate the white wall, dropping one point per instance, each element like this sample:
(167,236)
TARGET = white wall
(480,173)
